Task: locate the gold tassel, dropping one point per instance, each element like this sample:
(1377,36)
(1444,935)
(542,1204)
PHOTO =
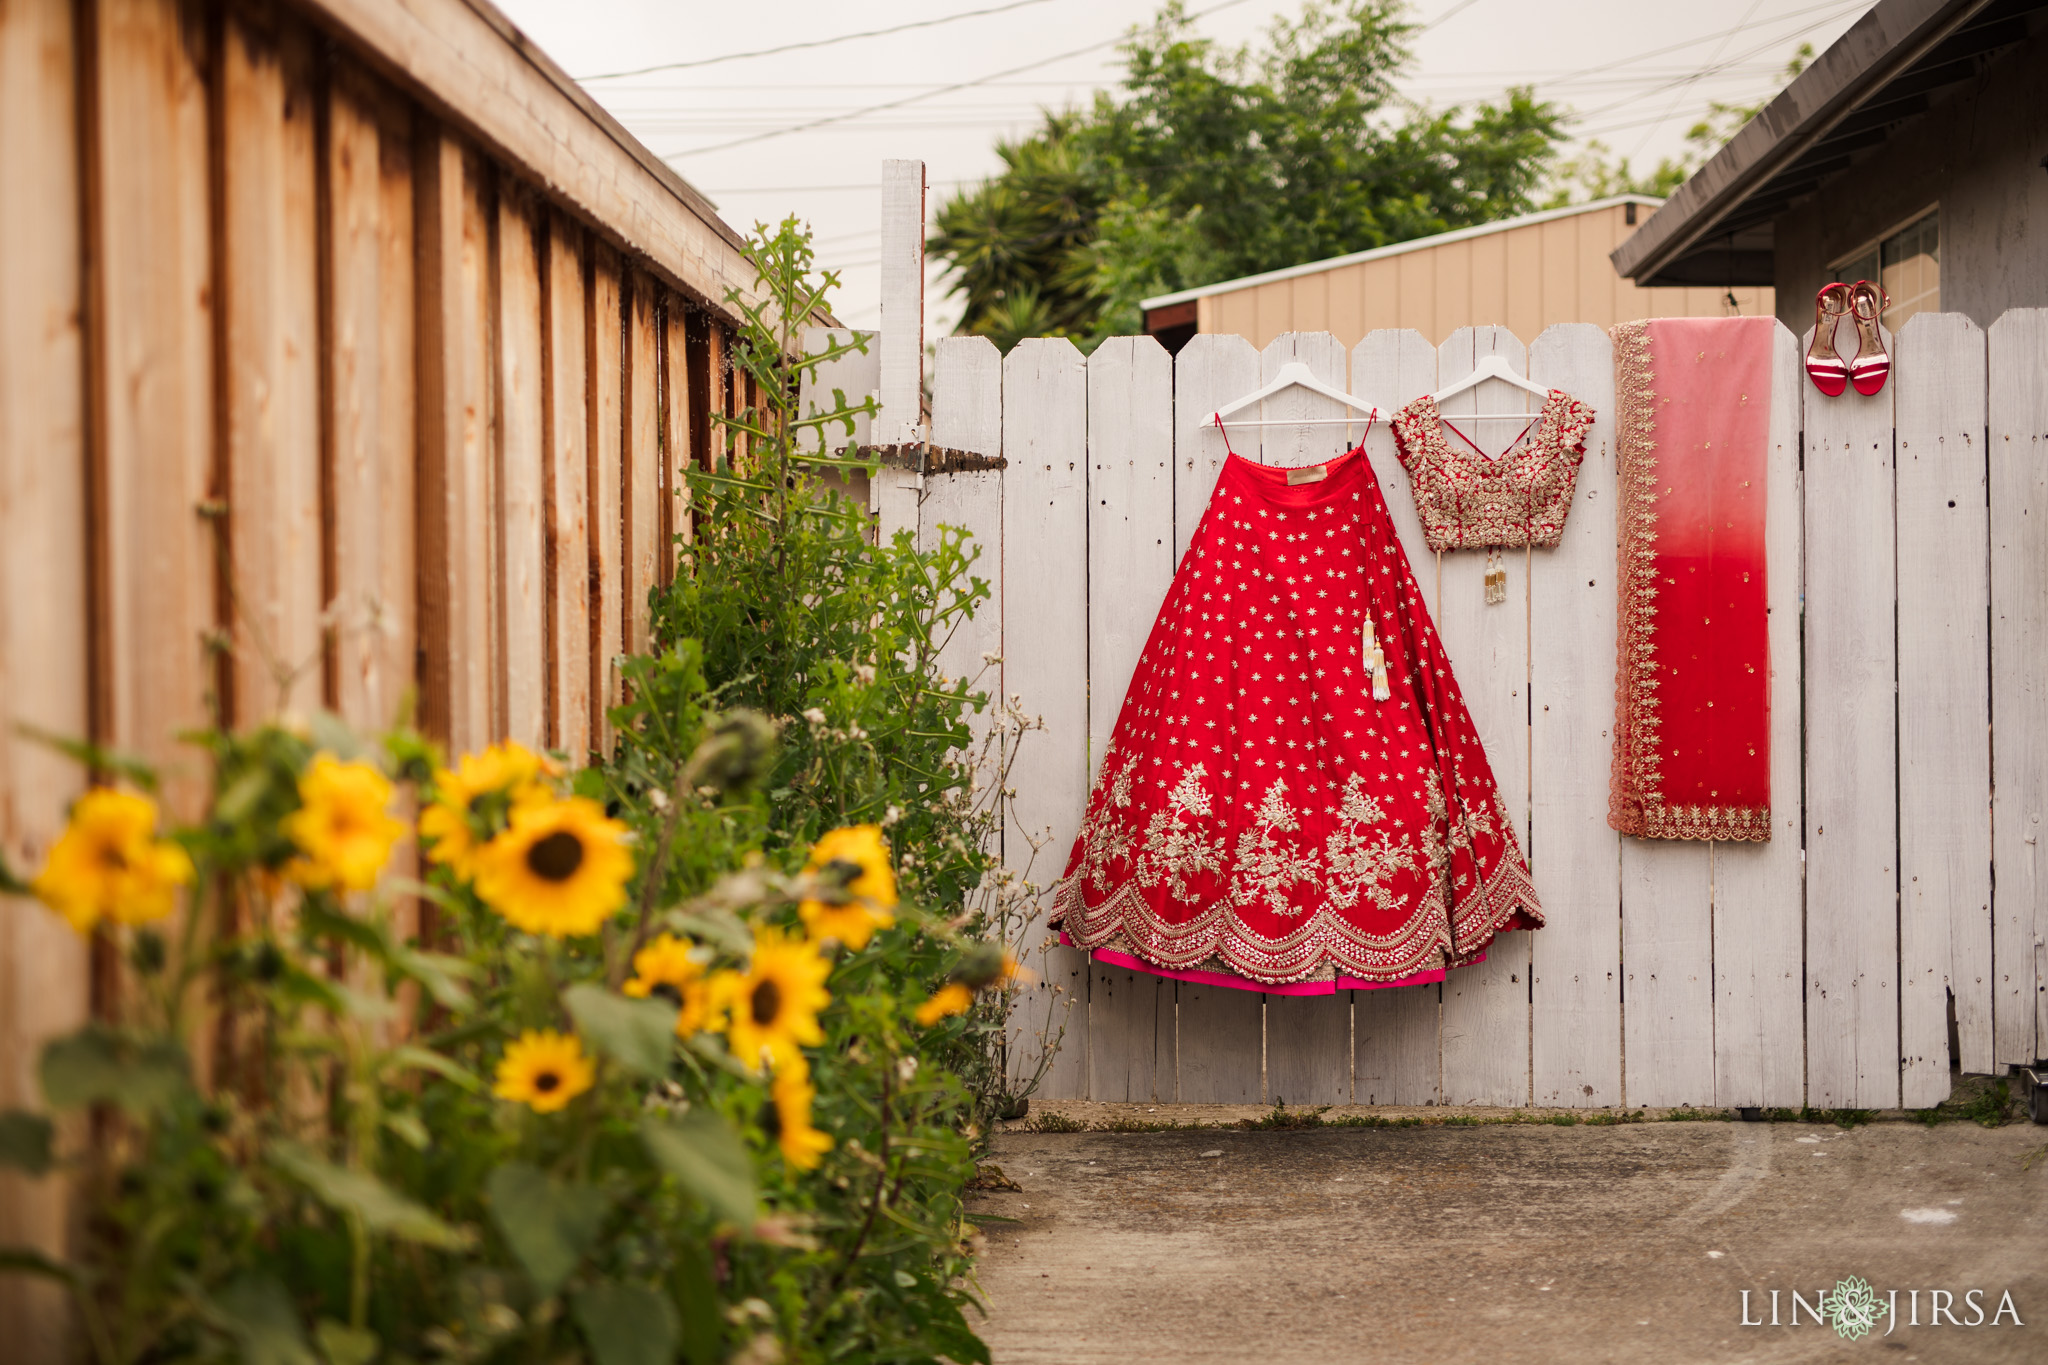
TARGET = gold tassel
(1376,663)
(1496,578)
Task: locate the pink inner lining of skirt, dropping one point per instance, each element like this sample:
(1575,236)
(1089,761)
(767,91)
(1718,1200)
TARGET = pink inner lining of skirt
(1241,983)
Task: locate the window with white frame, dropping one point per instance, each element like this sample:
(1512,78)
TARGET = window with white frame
(1907,263)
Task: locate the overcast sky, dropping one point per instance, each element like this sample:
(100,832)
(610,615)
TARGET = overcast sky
(1637,72)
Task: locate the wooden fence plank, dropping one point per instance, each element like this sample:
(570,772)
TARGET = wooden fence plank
(643,482)
(604,344)
(1210,371)
(2018,448)
(1125,1051)
(44,612)
(1222,1037)
(457,495)
(1220,1032)
(1308,1037)
(567,480)
(270,308)
(1852,1035)
(685,424)
(522,557)
(371,421)
(1396,1030)
(1944,776)
(1759,889)
(1667,945)
(1486,1007)
(1045,521)
(967,414)
(1575,1017)
(1130,564)
(156,422)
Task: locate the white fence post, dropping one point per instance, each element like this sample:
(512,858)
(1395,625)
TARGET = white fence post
(1759,889)
(1397,1049)
(1486,1007)
(2018,419)
(1852,940)
(1045,664)
(1130,564)
(1575,1020)
(1944,703)
(1219,1032)
(900,379)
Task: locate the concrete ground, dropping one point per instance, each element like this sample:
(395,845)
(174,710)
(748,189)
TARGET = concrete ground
(1506,1242)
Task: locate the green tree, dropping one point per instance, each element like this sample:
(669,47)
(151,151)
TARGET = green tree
(1211,162)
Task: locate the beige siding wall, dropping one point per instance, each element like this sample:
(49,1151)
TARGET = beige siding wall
(1525,278)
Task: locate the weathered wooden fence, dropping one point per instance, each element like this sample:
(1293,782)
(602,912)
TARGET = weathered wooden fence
(346,348)
(1908,543)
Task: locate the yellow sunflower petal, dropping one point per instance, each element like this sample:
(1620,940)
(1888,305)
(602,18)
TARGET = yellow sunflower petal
(109,864)
(560,868)
(951,998)
(544,1070)
(862,847)
(341,828)
(772,1007)
(791,1093)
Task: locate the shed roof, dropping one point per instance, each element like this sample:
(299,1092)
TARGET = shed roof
(1396,249)
(1894,63)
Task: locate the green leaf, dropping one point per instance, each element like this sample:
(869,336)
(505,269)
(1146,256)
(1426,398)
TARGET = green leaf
(381,1208)
(98,1065)
(258,1314)
(95,756)
(697,1299)
(426,1059)
(345,1345)
(626,1324)
(438,973)
(703,1152)
(548,1224)
(639,1035)
(25,1141)
(29,1261)
(408,1129)
(11,885)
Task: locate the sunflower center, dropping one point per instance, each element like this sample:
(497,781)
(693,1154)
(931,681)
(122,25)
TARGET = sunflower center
(556,856)
(546,1081)
(770,1119)
(766,1003)
(669,991)
(841,872)
(112,859)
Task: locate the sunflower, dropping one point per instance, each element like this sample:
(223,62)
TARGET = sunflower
(951,998)
(855,857)
(559,868)
(343,835)
(108,863)
(665,968)
(472,804)
(787,1117)
(772,1007)
(544,1070)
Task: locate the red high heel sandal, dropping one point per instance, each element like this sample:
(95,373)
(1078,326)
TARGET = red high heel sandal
(1872,366)
(1823,363)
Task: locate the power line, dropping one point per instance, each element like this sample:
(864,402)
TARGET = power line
(1689,82)
(1453,12)
(1835,6)
(817,42)
(1736,60)
(942,90)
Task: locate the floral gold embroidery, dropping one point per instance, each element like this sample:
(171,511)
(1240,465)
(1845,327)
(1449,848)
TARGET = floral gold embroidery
(1468,501)
(1172,849)
(1267,864)
(1363,863)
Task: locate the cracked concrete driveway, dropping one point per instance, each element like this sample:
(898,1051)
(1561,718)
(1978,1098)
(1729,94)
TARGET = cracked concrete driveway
(1513,1243)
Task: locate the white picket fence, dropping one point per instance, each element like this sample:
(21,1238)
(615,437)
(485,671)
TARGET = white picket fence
(1908,558)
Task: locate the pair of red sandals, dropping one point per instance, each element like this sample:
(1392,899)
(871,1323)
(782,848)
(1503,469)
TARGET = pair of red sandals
(1866,303)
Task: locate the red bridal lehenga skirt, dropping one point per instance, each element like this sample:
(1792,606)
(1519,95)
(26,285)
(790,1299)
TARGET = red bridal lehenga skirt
(1261,819)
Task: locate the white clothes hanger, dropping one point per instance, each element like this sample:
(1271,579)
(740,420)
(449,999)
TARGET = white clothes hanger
(1294,374)
(1492,367)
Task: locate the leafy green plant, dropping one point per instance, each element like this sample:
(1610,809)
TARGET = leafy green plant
(676,1058)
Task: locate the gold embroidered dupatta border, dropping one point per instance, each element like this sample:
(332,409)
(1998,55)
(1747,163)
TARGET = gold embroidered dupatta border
(1636,793)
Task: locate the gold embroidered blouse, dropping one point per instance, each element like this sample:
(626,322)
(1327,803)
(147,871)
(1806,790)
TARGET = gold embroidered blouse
(1468,500)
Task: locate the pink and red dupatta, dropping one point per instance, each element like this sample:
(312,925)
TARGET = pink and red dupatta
(1692,754)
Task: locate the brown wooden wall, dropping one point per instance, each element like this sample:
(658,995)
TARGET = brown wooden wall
(347,352)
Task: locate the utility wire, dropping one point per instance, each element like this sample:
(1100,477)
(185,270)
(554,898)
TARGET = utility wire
(1695,78)
(817,42)
(1453,12)
(942,90)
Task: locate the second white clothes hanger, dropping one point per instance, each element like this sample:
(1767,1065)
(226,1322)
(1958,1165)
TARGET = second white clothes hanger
(1492,367)
(1294,374)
